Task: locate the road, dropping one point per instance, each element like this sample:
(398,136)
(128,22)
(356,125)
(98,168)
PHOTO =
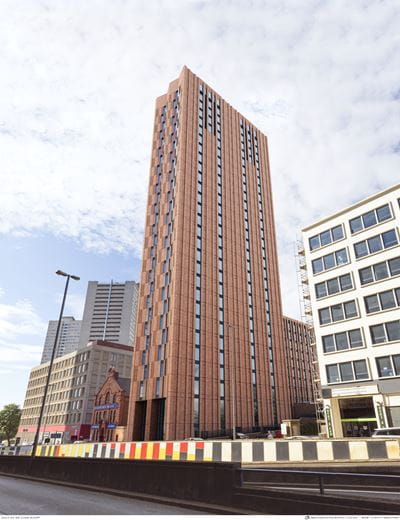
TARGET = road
(27,497)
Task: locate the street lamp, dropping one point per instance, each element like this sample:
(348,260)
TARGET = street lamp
(68,276)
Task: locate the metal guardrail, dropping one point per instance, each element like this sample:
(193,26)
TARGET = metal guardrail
(321,474)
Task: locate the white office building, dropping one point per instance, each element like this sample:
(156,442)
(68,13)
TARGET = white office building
(352,259)
(110,312)
(68,338)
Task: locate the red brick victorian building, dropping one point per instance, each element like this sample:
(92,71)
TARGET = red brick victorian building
(110,412)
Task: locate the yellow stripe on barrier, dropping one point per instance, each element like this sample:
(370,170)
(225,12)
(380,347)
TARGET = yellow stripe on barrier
(138,450)
(176,450)
(149,452)
(161,454)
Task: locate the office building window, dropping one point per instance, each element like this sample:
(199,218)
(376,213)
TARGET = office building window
(385,332)
(348,371)
(377,243)
(371,218)
(326,237)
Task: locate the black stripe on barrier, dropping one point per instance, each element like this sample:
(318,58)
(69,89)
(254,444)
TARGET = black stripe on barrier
(282,451)
(216,451)
(340,450)
(310,450)
(103,452)
(199,454)
(95,448)
(258,451)
(236,452)
(377,450)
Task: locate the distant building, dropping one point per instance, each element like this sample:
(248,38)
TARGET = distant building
(73,384)
(299,365)
(353,263)
(110,412)
(110,312)
(68,339)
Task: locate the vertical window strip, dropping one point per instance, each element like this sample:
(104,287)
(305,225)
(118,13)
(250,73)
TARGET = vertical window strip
(265,273)
(202,116)
(221,328)
(244,154)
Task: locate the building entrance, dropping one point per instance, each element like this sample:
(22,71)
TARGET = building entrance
(357,416)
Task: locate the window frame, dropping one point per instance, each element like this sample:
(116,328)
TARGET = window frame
(375,213)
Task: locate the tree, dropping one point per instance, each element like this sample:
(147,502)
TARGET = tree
(10,416)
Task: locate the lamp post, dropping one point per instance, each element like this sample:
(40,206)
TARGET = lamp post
(232,372)
(46,387)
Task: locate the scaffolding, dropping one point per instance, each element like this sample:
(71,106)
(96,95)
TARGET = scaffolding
(307,317)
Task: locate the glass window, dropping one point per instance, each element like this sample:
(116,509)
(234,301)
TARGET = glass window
(384,366)
(317,265)
(325,238)
(345,282)
(341,341)
(341,257)
(350,309)
(377,334)
(337,312)
(355,338)
(360,369)
(346,372)
(387,300)
(360,249)
(394,266)
(337,233)
(380,271)
(332,374)
(397,293)
(369,219)
(371,303)
(366,275)
(356,224)
(320,290)
(333,286)
(374,244)
(329,261)
(328,343)
(324,316)
(396,364)
(389,238)
(383,213)
(393,330)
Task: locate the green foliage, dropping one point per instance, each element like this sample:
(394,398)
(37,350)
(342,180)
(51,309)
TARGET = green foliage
(10,416)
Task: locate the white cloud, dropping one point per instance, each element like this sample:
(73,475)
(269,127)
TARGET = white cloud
(20,319)
(319,78)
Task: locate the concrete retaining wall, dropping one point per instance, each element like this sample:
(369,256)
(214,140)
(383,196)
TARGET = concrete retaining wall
(231,451)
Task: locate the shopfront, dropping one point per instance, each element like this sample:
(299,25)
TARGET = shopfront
(357,416)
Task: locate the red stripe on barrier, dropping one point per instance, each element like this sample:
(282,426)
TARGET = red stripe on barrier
(184,447)
(170,449)
(143,450)
(132,450)
(199,445)
(112,446)
(122,448)
(57,451)
(156,450)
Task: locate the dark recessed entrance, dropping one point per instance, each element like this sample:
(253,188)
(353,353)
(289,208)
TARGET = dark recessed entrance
(358,416)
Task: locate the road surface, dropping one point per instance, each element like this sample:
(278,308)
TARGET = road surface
(26,497)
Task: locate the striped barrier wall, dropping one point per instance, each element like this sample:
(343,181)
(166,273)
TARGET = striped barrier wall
(233,451)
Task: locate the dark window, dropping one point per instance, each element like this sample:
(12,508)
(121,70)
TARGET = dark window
(387,300)
(389,238)
(394,266)
(328,343)
(384,366)
(355,338)
(337,312)
(377,334)
(393,330)
(341,257)
(366,275)
(360,249)
(325,238)
(371,303)
(380,271)
(369,219)
(324,316)
(350,309)
(345,282)
(360,369)
(341,341)
(332,373)
(396,364)
(333,286)
(320,290)
(346,372)
(329,261)
(383,213)
(337,233)
(356,224)
(317,265)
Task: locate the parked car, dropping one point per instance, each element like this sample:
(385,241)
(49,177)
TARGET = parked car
(241,435)
(194,439)
(394,431)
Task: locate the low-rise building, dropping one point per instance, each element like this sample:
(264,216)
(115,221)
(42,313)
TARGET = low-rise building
(110,412)
(75,378)
(353,264)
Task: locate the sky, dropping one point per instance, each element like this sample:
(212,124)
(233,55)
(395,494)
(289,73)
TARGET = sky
(77,93)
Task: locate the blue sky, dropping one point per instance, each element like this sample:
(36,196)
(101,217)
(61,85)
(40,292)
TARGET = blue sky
(79,82)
